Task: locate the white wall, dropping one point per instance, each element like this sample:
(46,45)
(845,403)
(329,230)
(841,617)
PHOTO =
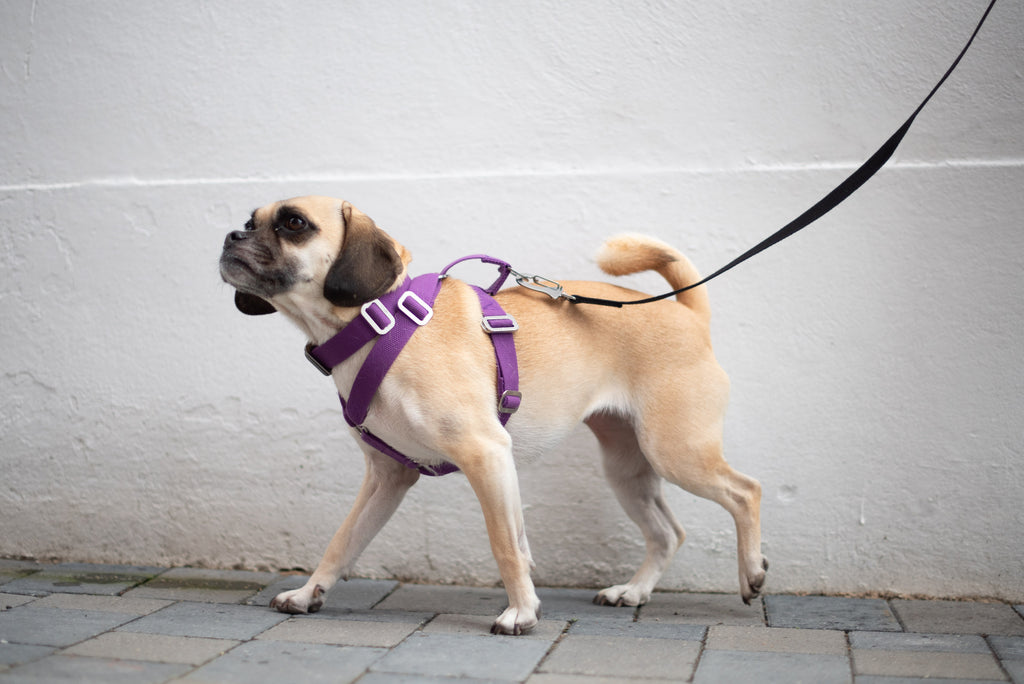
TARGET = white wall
(875,358)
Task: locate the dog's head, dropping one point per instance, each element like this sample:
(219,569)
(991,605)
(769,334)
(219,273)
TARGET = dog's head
(303,254)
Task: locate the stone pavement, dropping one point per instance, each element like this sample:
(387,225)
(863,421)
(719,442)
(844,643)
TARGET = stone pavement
(110,624)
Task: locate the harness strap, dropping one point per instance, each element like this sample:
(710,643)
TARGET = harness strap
(392,320)
(389,345)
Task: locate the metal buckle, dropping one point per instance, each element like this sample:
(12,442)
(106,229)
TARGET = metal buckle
(488,324)
(368,311)
(502,408)
(315,361)
(418,319)
(541,284)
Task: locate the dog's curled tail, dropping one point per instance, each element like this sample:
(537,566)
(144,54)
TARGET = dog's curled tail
(633,253)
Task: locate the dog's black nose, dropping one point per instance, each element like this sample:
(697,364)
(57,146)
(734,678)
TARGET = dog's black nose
(236,236)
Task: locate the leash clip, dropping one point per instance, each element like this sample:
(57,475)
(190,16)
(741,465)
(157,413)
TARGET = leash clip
(541,284)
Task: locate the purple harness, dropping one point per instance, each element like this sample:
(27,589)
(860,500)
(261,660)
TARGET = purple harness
(391,320)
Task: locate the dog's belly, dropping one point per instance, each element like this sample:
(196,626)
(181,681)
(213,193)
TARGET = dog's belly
(548,419)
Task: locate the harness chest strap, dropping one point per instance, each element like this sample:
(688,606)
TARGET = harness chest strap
(392,320)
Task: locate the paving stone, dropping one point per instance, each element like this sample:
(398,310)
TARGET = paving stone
(569,604)
(926,664)
(1015,668)
(548,630)
(342,632)
(772,668)
(199,584)
(898,641)
(623,657)
(55,626)
(446,599)
(15,654)
(702,609)
(636,630)
(107,604)
(158,648)
(61,668)
(279,661)
(395,678)
(872,679)
(959,617)
(553,678)
(776,640)
(15,569)
(8,601)
(355,594)
(369,616)
(456,655)
(1008,648)
(82,578)
(829,612)
(210,620)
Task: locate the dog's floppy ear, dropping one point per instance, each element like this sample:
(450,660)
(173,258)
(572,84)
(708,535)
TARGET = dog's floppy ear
(251,305)
(368,264)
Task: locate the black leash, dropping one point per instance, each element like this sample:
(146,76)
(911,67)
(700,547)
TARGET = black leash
(825,205)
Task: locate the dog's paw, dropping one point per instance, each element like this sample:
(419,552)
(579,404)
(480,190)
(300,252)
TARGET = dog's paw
(303,600)
(622,595)
(751,583)
(515,621)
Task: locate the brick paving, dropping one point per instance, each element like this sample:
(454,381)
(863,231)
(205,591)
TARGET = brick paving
(106,623)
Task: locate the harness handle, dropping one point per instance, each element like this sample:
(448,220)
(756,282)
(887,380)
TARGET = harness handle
(504,270)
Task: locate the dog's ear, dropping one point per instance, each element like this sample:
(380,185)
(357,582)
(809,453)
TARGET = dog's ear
(368,264)
(251,305)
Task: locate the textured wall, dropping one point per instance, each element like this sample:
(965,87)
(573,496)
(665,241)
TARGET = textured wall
(875,358)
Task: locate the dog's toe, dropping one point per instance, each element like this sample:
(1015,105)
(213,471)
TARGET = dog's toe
(621,595)
(299,601)
(515,621)
(752,584)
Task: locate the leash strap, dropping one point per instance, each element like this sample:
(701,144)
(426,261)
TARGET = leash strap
(825,205)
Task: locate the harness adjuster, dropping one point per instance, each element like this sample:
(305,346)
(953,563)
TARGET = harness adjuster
(510,401)
(413,306)
(378,316)
(315,361)
(503,323)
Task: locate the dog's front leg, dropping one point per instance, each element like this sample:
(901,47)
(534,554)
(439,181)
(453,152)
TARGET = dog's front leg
(384,486)
(492,474)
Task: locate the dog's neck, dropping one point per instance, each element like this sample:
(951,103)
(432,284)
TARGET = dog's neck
(319,321)
(317,317)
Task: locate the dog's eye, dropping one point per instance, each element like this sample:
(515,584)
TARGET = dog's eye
(249,225)
(295,223)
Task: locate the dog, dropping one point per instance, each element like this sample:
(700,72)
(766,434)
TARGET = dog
(644,379)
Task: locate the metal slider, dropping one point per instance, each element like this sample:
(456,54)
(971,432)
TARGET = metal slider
(378,316)
(413,306)
(507,406)
(499,324)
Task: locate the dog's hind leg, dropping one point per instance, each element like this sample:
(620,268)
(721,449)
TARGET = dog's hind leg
(739,494)
(680,433)
(384,486)
(638,489)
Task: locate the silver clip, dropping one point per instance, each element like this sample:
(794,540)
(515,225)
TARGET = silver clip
(541,284)
(490,324)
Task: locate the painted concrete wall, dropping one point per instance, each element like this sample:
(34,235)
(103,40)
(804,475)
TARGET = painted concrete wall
(876,359)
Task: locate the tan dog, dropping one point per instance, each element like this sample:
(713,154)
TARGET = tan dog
(643,378)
